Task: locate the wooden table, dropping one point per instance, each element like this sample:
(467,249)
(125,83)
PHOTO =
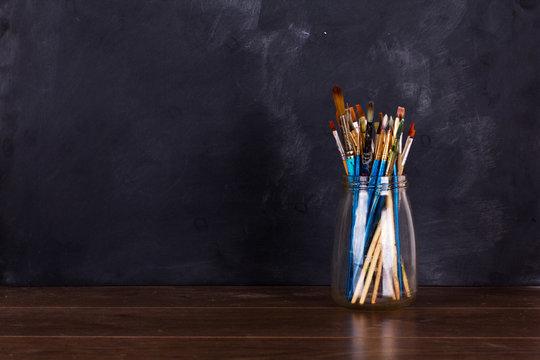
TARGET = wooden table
(264,323)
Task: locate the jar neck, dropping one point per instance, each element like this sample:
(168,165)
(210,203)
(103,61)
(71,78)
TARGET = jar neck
(372,183)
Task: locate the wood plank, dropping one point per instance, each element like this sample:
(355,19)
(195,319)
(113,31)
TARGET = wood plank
(509,296)
(54,348)
(251,296)
(170,296)
(270,322)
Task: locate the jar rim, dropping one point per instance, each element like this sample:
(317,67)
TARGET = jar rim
(380,182)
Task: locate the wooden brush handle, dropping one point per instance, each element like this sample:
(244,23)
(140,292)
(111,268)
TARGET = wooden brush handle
(374,242)
(377,282)
(405,280)
(354,139)
(370,273)
(399,166)
(395,276)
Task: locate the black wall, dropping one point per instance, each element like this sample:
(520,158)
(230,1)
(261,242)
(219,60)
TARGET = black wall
(187,142)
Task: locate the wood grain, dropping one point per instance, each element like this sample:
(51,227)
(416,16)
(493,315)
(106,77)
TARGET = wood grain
(269,322)
(254,296)
(83,348)
(264,323)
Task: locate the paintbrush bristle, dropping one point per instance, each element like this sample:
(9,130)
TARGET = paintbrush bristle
(353,113)
(377,125)
(411,130)
(400,112)
(332,126)
(338,100)
(384,123)
(349,118)
(370,111)
(360,111)
(391,123)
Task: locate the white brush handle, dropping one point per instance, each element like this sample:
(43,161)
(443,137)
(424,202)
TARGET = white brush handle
(340,147)
(387,254)
(359,230)
(408,145)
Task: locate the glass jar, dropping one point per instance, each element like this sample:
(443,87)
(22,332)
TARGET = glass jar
(374,255)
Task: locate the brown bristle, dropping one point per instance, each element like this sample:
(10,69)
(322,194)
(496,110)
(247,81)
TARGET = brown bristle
(381,116)
(338,100)
(353,113)
(360,111)
(411,130)
(337,119)
(332,126)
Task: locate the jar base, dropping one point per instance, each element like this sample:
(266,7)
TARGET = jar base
(382,304)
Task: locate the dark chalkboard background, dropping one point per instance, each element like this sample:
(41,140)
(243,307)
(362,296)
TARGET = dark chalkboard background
(187,142)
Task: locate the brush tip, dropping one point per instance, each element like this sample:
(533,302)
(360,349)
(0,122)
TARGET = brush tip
(360,111)
(411,130)
(337,94)
(332,126)
(384,123)
(370,109)
(400,112)
(353,113)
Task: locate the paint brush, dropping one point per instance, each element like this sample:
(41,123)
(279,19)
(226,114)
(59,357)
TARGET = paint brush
(406,149)
(373,196)
(369,276)
(367,156)
(394,151)
(391,124)
(405,280)
(354,120)
(337,95)
(377,124)
(377,282)
(378,129)
(361,128)
(393,201)
(344,117)
(400,115)
(353,132)
(338,143)
(361,119)
(357,139)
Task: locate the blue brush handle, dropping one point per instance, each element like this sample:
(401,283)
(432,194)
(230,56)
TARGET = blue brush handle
(373,180)
(355,172)
(395,193)
(350,166)
(358,167)
(366,162)
(374,212)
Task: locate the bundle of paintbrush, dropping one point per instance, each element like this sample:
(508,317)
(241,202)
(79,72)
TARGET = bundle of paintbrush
(373,155)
